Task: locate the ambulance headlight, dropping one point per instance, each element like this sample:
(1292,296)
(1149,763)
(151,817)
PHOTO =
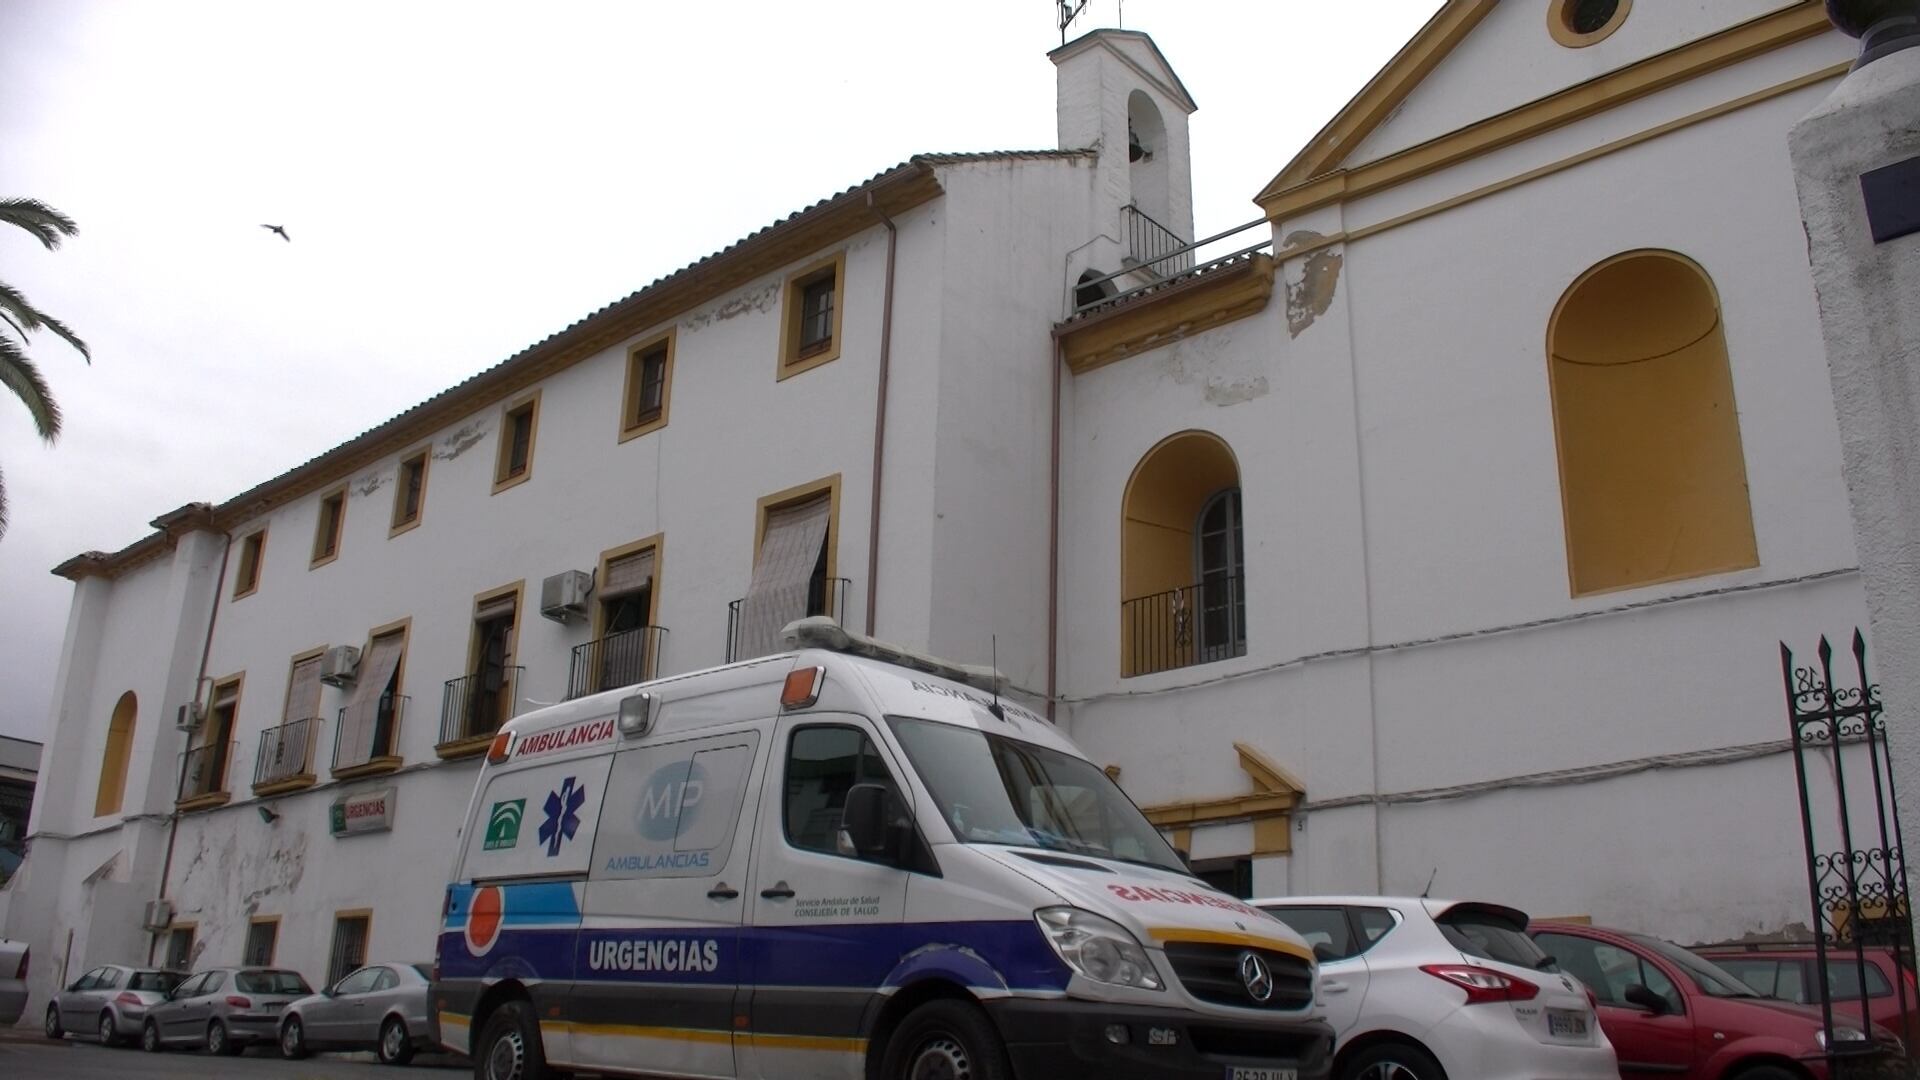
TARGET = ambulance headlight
(1097,947)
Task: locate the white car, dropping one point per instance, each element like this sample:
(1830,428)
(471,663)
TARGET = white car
(1418,989)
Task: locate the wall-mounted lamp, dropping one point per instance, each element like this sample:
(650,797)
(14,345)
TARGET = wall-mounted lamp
(267,815)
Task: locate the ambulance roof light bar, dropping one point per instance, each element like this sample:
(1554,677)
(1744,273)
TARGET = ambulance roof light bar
(821,632)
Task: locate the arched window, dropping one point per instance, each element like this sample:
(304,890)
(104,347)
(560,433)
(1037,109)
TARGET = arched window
(1653,480)
(113,763)
(1090,290)
(1182,562)
(1149,165)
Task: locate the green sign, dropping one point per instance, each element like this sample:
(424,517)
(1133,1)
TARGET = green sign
(503,824)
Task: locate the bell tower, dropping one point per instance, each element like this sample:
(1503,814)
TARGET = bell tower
(1118,95)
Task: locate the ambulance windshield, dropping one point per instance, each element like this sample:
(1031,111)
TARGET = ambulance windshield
(995,790)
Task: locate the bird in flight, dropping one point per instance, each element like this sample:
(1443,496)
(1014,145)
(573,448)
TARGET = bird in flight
(280,230)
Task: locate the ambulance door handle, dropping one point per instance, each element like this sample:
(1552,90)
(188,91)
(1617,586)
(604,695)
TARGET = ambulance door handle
(722,891)
(780,891)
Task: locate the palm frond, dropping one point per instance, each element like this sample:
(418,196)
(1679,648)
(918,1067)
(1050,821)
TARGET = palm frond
(18,374)
(3,504)
(16,326)
(27,317)
(48,225)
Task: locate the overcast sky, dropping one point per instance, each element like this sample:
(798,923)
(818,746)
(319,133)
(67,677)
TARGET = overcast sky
(460,180)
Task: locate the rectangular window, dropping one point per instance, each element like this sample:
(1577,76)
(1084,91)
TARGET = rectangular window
(180,947)
(369,722)
(485,698)
(262,934)
(350,930)
(518,426)
(326,531)
(409,493)
(792,567)
(649,378)
(822,763)
(810,331)
(672,810)
(204,769)
(623,650)
(246,577)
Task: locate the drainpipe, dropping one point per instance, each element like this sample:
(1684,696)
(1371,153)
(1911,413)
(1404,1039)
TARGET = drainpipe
(206,651)
(880,417)
(1053,539)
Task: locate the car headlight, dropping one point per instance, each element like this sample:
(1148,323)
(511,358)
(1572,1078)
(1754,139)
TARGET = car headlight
(1841,1033)
(1097,947)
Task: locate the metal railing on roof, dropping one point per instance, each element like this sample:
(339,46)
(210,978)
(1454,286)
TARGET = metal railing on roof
(1169,268)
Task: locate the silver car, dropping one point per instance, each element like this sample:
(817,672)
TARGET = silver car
(110,1002)
(224,1010)
(13,981)
(382,1007)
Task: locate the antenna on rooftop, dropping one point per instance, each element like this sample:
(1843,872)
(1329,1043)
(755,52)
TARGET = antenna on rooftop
(998,712)
(1069,11)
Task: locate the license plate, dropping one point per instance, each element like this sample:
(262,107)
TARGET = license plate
(1237,1072)
(1566,1024)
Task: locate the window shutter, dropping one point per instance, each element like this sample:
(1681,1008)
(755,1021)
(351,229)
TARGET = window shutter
(778,594)
(303,691)
(358,719)
(499,607)
(627,574)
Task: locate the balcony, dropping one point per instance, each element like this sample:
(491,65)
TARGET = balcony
(1153,248)
(203,777)
(1187,289)
(285,760)
(473,707)
(747,637)
(622,659)
(1195,624)
(372,749)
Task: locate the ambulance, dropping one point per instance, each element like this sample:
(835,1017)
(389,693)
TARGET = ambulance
(849,861)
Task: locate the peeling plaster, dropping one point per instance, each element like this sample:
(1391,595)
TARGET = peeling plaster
(1226,376)
(462,440)
(370,484)
(758,300)
(1311,293)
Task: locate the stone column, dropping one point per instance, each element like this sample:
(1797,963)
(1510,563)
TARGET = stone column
(1856,161)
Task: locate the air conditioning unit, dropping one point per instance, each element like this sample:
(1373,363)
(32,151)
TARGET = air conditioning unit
(564,595)
(190,716)
(339,665)
(157,915)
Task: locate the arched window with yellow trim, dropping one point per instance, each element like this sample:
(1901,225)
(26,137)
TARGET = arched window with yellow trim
(1182,557)
(113,763)
(1653,480)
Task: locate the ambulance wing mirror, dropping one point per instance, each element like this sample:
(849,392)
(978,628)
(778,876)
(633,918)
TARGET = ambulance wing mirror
(865,822)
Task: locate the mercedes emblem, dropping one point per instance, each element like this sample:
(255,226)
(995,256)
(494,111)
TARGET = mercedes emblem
(1257,976)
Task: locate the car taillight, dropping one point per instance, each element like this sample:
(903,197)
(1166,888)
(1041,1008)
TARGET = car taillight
(1482,985)
(129,998)
(239,1002)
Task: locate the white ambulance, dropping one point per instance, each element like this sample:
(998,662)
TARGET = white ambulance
(843,861)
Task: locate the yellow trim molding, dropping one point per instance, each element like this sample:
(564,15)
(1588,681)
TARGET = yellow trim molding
(1180,310)
(1560,24)
(398,525)
(631,427)
(791,315)
(529,404)
(253,559)
(326,542)
(209,801)
(801,493)
(1313,179)
(1269,805)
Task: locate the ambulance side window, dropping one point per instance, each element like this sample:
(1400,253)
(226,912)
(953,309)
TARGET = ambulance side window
(822,764)
(671,811)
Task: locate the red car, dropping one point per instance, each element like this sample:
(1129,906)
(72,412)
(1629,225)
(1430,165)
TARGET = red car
(1787,972)
(1670,1013)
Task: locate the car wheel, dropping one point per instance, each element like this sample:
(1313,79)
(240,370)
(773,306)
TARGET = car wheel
(1392,1061)
(945,1040)
(396,1046)
(54,1030)
(510,1047)
(150,1038)
(293,1040)
(221,1043)
(109,1034)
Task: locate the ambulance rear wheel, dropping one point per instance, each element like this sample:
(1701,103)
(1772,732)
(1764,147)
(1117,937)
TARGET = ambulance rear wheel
(945,1040)
(510,1047)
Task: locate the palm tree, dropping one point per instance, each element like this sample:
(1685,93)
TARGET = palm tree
(17,373)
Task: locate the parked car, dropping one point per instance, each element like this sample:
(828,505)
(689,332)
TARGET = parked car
(224,1010)
(13,981)
(1787,972)
(110,1002)
(1671,1013)
(380,1007)
(1418,989)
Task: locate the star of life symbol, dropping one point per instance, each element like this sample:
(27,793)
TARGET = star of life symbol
(563,815)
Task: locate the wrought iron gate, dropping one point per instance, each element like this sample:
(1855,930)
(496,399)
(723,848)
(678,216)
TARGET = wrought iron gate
(1858,888)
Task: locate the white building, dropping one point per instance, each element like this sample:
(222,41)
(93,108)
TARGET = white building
(1523,409)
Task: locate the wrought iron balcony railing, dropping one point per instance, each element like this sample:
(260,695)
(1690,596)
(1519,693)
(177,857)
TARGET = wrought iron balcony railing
(621,659)
(384,715)
(203,770)
(477,704)
(754,623)
(1195,624)
(286,751)
(1152,246)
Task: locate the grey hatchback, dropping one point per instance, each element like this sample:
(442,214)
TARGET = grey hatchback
(223,1009)
(380,1007)
(110,1001)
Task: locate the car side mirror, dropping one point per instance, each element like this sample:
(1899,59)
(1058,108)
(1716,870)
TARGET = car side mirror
(1638,994)
(867,823)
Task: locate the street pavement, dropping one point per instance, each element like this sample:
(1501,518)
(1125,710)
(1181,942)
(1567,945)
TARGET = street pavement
(38,1059)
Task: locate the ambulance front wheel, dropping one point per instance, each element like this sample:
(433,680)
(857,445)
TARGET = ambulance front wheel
(510,1047)
(945,1040)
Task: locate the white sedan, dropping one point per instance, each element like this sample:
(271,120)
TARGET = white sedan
(1418,989)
